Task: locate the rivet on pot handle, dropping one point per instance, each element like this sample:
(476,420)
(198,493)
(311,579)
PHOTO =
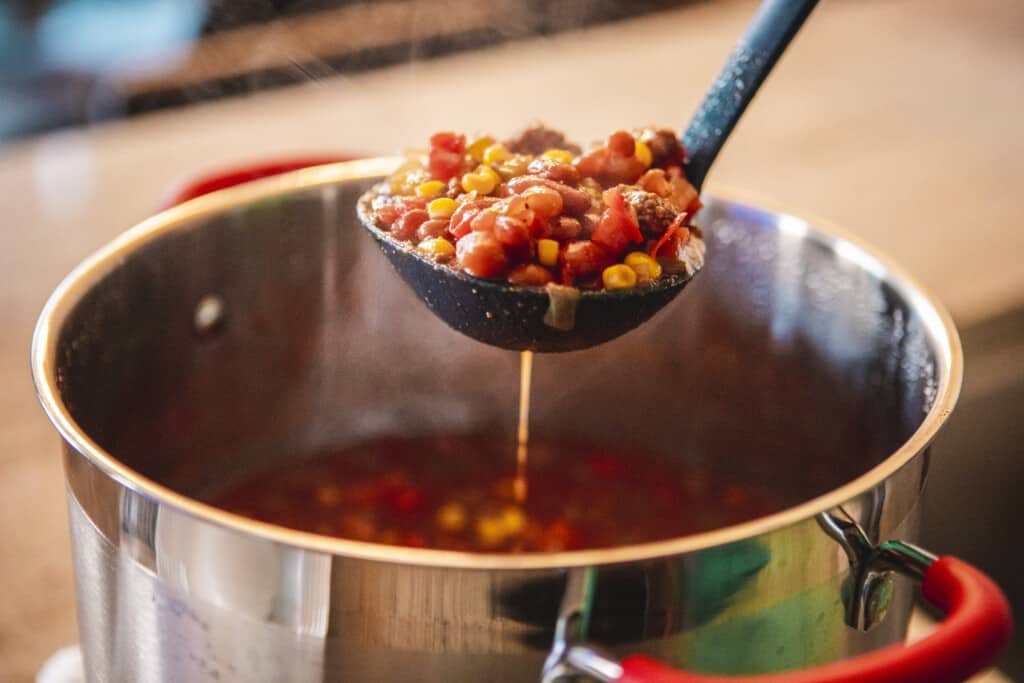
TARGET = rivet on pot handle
(976,628)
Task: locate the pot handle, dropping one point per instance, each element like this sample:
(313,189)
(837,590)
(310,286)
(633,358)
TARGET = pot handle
(976,628)
(198,186)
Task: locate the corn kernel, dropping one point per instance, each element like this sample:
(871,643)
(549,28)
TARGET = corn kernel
(443,207)
(431,188)
(547,252)
(438,247)
(516,165)
(643,153)
(479,183)
(477,148)
(496,153)
(514,520)
(619,276)
(490,531)
(451,517)
(489,172)
(562,156)
(646,267)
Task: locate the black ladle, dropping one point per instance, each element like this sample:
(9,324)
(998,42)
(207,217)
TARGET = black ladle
(511,317)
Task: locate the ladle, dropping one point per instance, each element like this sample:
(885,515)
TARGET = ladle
(512,317)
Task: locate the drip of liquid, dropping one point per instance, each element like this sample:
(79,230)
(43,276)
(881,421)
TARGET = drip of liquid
(523,434)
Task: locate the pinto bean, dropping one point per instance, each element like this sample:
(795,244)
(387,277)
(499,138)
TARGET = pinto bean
(573,201)
(481,254)
(564,228)
(544,201)
(435,227)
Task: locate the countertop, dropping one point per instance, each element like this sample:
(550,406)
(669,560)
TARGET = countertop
(898,120)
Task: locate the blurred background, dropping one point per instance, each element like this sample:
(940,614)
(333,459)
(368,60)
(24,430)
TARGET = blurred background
(899,120)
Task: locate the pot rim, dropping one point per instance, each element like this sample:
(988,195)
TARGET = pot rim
(937,322)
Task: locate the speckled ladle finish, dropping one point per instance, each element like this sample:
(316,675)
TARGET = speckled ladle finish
(511,317)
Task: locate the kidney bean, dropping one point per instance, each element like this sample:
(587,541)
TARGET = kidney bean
(405,227)
(461,220)
(435,227)
(621,144)
(386,215)
(481,254)
(530,275)
(544,201)
(484,221)
(573,201)
(511,232)
(564,228)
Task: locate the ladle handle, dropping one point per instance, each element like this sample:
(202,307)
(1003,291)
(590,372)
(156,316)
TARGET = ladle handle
(767,36)
(977,626)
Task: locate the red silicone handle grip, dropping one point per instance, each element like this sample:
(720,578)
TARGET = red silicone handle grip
(243,174)
(976,627)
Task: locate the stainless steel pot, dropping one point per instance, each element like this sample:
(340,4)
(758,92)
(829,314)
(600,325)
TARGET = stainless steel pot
(258,324)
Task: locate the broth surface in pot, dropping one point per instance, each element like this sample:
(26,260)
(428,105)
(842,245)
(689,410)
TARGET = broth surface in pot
(458,493)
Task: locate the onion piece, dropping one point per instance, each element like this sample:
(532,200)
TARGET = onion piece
(562,300)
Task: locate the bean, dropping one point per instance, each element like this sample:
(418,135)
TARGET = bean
(405,227)
(510,231)
(435,227)
(463,216)
(530,275)
(573,201)
(484,221)
(621,143)
(544,201)
(565,228)
(481,254)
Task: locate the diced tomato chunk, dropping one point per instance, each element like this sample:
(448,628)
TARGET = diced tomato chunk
(446,155)
(618,225)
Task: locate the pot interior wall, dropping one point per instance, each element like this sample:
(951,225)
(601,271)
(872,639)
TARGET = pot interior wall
(787,361)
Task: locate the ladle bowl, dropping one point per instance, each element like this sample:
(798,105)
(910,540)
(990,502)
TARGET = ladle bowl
(518,318)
